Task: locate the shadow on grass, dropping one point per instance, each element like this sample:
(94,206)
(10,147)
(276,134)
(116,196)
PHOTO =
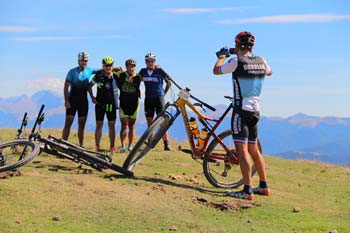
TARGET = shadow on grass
(181,185)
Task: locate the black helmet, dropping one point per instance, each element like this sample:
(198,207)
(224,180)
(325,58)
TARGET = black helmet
(130,62)
(245,39)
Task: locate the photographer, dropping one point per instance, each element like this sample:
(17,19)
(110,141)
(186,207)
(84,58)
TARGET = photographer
(248,73)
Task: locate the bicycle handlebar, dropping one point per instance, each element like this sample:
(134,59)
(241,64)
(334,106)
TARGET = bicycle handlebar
(37,119)
(188,90)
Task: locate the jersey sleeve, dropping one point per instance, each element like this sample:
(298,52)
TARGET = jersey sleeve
(268,70)
(69,76)
(229,66)
(95,70)
(94,79)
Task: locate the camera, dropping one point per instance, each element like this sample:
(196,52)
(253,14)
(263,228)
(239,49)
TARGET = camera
(226,52)
(232,51)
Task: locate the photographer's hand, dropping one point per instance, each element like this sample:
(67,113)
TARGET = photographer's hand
(223,53)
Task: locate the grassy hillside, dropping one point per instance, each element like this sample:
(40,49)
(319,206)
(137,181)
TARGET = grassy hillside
(167,194)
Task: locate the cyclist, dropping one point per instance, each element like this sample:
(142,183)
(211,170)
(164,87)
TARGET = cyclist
(75,96)
(129,85)
(153,78)
(248,72)
(106,101)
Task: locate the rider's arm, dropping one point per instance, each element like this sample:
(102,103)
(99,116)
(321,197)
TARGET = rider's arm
(66,94)
(221,67)
(167,87)
(91,93)
(218,64)
(268,68)
(168,83)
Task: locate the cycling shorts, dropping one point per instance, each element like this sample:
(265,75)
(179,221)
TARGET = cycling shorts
(108,109)
(153,105)
(122,113)
(244,125)
(79,104)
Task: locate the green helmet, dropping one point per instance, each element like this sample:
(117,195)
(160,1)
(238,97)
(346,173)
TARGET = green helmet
(107,61)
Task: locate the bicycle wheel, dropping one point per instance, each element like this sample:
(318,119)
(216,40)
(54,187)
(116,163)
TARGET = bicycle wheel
(11,159)
(223,174)
(153,134)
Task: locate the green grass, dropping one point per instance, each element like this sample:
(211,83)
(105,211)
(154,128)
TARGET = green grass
(154,202)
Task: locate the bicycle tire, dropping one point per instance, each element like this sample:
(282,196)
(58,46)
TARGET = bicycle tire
(157,129)
(8,158)
(235,178)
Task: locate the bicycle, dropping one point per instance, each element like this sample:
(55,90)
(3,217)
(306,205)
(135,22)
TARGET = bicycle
(36,144)
(21,130)
(220,161)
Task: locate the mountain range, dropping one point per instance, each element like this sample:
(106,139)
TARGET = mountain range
(300,136)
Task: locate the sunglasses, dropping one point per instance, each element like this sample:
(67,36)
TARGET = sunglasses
(84,60)
(110,65)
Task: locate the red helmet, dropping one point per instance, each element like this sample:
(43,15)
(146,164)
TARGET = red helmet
(245,39)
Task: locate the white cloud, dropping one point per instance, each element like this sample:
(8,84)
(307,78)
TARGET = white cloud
(55,38)
(17,29)
(305,18)
(201,10)
(46,83)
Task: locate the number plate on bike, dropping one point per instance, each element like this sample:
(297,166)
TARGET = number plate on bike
(183,94)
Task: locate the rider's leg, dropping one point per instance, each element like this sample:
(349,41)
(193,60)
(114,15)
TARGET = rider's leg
(132,129)
(111,126)
(123,131)
(98,133)
(67,125)
(258,160)
(81,129)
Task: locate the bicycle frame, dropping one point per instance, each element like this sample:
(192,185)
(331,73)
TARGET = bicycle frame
(181,104)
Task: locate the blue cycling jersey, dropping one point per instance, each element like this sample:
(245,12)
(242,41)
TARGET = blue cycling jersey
(153,82)
(79,80)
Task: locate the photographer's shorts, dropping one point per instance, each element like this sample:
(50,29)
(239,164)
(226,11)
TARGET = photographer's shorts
(244,125)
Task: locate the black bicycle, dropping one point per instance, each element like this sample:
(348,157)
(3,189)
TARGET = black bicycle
(28,149)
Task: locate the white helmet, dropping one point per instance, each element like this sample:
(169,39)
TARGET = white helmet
(83,56)
(150,56)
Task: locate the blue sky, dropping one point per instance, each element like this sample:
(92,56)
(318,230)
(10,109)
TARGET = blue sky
(304,41)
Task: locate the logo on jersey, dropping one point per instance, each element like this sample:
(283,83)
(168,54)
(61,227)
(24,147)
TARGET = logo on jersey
(255,68)
(151,79)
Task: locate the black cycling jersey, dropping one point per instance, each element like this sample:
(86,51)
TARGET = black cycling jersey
(105,93)
(129,92)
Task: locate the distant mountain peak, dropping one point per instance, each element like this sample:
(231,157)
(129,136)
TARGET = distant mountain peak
(302,116)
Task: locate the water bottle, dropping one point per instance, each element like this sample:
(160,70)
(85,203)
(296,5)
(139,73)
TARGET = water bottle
(194,127)
(202,137)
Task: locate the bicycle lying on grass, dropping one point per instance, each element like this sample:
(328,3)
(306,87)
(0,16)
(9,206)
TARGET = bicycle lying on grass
(28,149)
(220,161)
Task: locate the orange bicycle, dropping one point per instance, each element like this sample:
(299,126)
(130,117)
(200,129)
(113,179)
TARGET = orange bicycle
(220,161)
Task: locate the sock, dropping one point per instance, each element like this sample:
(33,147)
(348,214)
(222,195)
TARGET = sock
(248,189)
(165,143)
(262,184)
